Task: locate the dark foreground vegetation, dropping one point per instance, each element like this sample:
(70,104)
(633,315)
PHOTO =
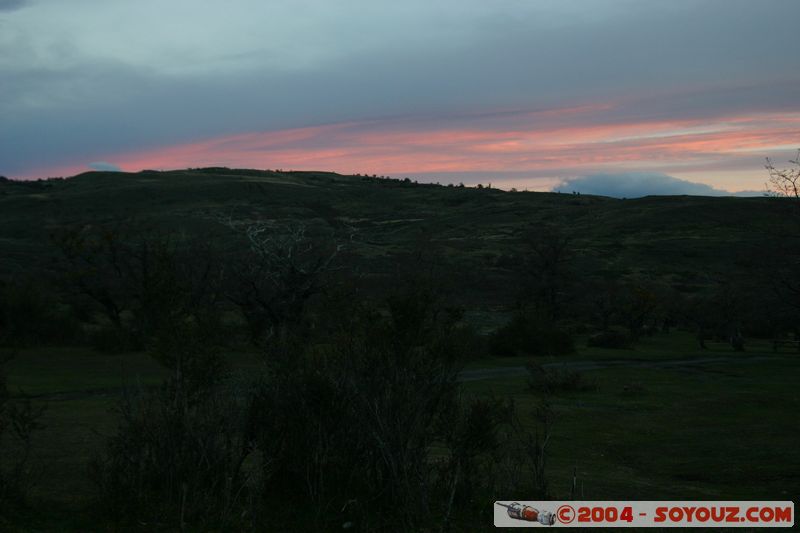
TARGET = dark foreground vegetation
(311,352)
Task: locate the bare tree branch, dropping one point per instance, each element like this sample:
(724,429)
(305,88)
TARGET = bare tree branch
(784,182)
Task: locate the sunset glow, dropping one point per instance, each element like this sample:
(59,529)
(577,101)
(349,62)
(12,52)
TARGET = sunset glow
(541,145)
(522,94)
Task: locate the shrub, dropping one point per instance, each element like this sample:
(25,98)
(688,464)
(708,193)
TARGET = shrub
(30,314)
(175,458)
(19,420)
(521,465)
(178,452)
(634,388)
(550,380)
(613,339)
(528,334)
(474,434)
(368,430)
(108,338)
(357,419)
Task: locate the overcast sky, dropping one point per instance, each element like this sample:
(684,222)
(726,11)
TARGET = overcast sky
(522,93)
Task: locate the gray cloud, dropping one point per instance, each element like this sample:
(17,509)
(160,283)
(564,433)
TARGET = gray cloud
(12,5)
(104,167)
(636,185)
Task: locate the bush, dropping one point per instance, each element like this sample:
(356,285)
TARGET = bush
(520,467)
(550,380)
(30,314)
(108,338)
(177,456)
(19,420)
(613,339)
(530,335)
(475,434)
(634,388)
(367,430)
(357,420)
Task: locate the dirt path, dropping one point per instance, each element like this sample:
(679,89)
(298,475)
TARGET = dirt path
(478,374)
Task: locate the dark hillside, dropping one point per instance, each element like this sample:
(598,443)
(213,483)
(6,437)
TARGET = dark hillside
(475,234)
(281,323)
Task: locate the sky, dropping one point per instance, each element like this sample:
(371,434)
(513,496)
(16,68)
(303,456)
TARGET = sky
(615,96)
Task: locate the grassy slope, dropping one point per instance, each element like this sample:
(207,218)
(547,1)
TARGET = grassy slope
(475,232)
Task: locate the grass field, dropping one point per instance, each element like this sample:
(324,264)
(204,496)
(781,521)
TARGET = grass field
(726,430)
(716,430)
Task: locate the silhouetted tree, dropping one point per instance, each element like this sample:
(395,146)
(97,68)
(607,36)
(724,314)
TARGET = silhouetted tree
(781,260)
(784,182)
(639,303)
(547,264)
(283,268)
(719,314)
(141,280)
(603,299)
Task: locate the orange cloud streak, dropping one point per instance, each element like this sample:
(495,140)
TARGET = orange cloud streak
(535,142)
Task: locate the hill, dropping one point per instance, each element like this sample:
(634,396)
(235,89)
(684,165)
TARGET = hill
(684,241)
(241,362)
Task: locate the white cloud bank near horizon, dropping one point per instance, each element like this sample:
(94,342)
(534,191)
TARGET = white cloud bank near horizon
(104,166)
(639,184)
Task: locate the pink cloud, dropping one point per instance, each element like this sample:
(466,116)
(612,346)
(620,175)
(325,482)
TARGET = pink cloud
(583,138)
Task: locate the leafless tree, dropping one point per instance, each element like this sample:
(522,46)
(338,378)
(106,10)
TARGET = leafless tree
(784,182)
(282,270)
(782,260)
(139,278)
(639,305)
(548,268)
(94,268)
